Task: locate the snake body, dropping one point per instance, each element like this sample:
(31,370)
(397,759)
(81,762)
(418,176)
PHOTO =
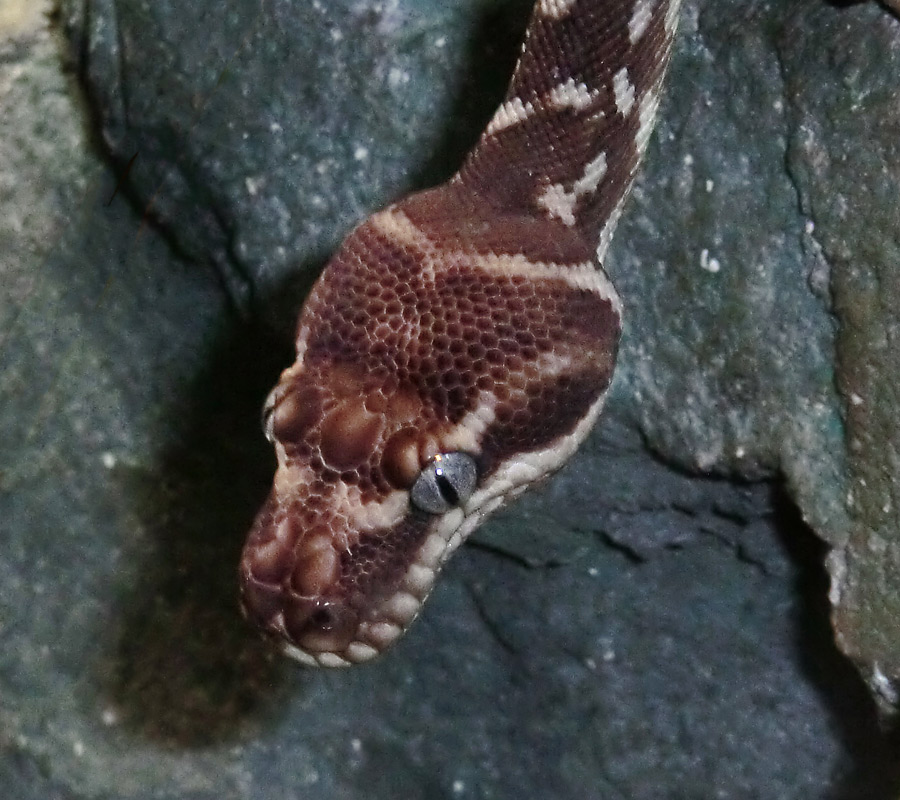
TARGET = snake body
(459,345)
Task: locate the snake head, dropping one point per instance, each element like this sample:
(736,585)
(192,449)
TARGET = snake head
(430,387)
(459,345)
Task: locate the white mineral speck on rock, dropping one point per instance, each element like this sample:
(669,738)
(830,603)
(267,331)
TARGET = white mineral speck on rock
(253,185)
(397,77)
(309,777)
(709,264)
(836,563)
(884,685)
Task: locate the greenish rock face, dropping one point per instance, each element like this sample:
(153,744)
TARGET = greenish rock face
(630,627)
(761,274)
(845,161)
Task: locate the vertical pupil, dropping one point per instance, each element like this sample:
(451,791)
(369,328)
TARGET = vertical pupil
(446,488)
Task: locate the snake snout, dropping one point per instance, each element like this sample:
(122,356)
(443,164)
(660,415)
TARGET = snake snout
(309,628)
(320,625)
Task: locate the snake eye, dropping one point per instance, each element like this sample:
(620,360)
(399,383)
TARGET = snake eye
(446,482)
(266,415)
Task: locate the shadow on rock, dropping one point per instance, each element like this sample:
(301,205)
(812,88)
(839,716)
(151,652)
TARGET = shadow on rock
(491,55)
(189,670)
(873,751)
(186,669)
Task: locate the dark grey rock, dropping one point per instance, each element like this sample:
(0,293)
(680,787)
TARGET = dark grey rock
(697,663)
(757,259)
(259,132)
(844,158)
(760,275)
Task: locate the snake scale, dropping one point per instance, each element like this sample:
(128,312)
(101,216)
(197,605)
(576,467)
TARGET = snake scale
(458,346)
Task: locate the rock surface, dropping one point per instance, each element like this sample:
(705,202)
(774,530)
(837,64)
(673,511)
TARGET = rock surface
(631,631)
(757,262)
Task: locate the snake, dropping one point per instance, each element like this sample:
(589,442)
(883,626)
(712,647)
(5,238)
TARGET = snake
(458,346)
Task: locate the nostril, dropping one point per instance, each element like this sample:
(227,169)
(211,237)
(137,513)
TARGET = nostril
(320,625)
(322,619)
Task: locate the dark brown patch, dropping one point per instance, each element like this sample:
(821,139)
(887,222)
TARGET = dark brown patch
(459,219)
(552,410)
(373,568)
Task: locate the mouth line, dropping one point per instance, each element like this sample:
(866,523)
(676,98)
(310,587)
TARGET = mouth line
(391,617)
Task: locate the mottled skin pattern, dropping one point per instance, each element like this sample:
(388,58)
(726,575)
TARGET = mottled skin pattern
(471,318)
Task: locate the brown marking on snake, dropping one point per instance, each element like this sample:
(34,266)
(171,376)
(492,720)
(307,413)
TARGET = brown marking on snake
(465,319)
